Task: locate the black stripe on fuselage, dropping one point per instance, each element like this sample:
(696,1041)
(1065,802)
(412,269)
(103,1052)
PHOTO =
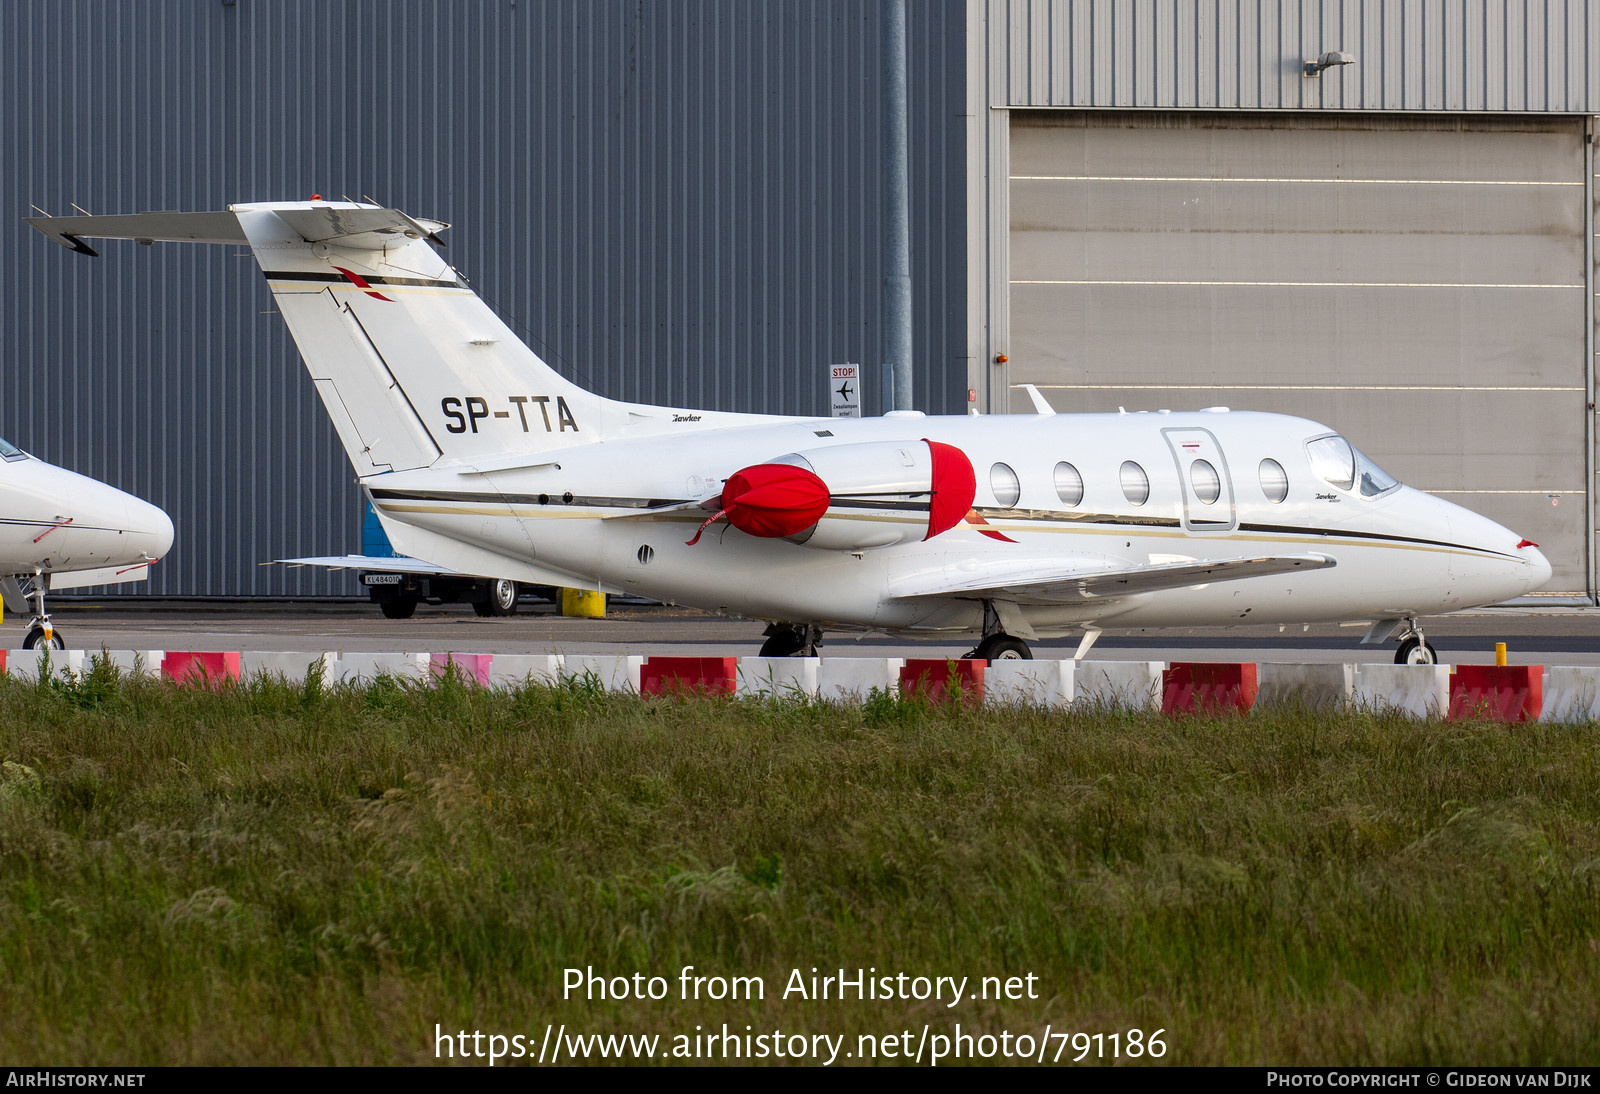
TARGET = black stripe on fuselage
(1052,516)
(592,501)
(1056,516)
(340,279)
(1289,529)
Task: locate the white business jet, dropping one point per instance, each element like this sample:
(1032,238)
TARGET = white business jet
(61,530)
(480,458)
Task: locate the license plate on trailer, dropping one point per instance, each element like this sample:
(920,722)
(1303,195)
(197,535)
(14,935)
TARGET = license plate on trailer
(380,579)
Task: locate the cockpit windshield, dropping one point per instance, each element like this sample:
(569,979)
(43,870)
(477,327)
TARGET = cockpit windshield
(1336,461)
(10,451)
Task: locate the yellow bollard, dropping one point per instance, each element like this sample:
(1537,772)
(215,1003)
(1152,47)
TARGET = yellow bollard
(1500,654)
(583,604)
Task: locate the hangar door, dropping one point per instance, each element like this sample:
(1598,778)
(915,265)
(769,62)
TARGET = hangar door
(1417,283)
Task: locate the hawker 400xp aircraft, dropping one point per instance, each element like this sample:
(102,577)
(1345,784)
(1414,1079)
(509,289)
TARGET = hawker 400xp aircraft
(61,530)
(1004,529)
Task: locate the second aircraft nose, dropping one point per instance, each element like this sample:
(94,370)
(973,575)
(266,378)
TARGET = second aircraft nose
(154,522)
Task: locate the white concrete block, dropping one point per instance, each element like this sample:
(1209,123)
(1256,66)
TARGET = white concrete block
(851,679)
(24,664)
(1422,691)
(1114,685)
(781,677)
(515,670)
(138,662)
(1304,686)
(1571,694)
(291,666)
(1029,683)
(364,668)
(615,672)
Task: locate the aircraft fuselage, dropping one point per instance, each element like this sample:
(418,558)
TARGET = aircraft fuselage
(588,513)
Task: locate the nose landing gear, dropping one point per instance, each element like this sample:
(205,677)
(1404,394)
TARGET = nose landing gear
(1414,648)
(40,631)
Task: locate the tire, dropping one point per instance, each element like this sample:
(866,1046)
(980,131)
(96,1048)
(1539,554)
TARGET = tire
(1001,647)
(1416,651)
(784,642)
(399,606)
(502,599)
(35,639)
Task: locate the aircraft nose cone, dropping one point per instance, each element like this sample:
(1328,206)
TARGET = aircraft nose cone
(1539,570)
(149,525)
(163,533)
(1497,565)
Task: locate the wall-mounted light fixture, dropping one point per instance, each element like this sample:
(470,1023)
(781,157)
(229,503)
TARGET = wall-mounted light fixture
(1328,60)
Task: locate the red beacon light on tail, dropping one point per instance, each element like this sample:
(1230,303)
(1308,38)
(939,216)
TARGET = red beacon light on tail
(851,497)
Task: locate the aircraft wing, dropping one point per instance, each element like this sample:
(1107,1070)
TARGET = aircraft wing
(382,564)
(1033,581)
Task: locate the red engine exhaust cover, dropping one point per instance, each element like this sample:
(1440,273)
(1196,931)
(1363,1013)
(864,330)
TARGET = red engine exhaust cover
(771,500)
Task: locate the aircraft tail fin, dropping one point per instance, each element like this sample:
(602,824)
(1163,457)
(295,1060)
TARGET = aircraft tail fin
(412,366)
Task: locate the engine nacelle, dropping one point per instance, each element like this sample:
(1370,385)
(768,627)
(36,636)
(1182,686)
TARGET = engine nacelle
(853,497)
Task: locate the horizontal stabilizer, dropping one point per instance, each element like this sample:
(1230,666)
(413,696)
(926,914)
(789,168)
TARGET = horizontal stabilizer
(70,232)
(356,228)
(382,564)
(360,228)
(1034,581)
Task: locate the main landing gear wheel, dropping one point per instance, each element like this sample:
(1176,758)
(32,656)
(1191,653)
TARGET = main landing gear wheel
(399,606)
(36,639)
(791,640)
(502,599)
(1416,650)
(1000,647)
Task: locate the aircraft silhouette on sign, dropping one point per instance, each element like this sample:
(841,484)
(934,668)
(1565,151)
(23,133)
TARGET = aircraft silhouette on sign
(478,457)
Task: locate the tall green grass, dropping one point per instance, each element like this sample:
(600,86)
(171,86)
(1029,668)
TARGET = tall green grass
(276,873)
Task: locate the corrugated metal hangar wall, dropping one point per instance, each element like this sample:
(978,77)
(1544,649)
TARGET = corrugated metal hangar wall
(675,203)
(1165,211)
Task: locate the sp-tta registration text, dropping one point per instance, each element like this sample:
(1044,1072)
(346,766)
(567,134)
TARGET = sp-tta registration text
(813,985)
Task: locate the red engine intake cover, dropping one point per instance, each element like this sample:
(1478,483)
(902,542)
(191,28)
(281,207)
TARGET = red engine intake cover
(772,500)
(955,484)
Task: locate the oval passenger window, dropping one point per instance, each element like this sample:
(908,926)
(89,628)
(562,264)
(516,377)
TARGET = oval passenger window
(1069,484)
(1135,483)
(1003,481)
(1207,483)
(1274,481)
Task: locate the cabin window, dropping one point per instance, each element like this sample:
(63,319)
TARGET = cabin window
(1135,483)
(10,451)
(1003,481)
(1333,460)
(1069,484)
(1274,481)
(1206,482)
